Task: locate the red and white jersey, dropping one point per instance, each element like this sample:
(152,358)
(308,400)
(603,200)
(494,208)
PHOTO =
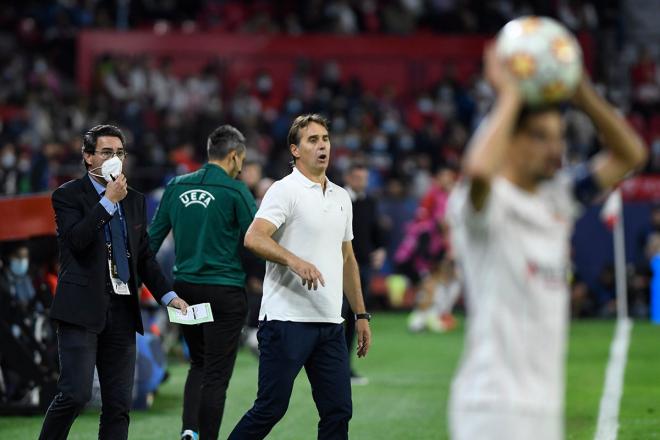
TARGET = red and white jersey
(514,254)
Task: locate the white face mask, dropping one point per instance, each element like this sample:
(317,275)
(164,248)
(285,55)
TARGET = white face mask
(19,266)
(110,170)
(8,160)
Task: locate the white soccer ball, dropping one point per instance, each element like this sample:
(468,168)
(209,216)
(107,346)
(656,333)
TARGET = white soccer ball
(543,56)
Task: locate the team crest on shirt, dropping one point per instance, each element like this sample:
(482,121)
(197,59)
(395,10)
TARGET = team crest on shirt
(196,196)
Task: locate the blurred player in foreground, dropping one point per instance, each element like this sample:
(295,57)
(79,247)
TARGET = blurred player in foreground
(512,218)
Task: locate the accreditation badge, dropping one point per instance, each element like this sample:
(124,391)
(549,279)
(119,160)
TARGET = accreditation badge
(118,286)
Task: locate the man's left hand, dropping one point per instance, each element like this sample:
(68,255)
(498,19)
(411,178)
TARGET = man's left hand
(180,304)
(363,337)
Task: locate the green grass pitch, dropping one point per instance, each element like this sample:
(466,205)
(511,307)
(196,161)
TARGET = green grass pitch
(407,394)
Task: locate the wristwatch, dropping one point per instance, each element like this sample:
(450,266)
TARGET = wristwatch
(366,316)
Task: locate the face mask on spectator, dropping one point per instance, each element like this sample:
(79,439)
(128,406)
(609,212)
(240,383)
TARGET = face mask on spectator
(24,165)
(339,124)
(425,105)
(8,160)
(19,266)
(406,142)
(264,84)
(352,141)
(293,106)
(379,143)
(110,169)
(390,125)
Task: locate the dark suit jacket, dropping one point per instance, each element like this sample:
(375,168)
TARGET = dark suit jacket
(82,296)
(367,232)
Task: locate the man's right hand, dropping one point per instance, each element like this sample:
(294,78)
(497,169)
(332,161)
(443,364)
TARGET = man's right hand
(498,74)
(311,276)
(116,190)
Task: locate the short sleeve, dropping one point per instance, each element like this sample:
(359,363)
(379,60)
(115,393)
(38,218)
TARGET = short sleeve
(348,230)
(573,190)
(276,205)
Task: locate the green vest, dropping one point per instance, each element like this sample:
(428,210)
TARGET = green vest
(209,213)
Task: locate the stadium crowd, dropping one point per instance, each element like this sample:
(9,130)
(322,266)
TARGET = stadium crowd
(405,137)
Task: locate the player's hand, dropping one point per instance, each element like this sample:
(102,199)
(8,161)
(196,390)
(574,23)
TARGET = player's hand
(311,276)
(583,91)
(180,304)
(116,190)
(497,73)
(363,337)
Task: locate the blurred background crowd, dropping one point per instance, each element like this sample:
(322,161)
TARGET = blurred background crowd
(409,140)
(402,136)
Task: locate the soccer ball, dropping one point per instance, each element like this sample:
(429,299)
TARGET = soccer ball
(543,56)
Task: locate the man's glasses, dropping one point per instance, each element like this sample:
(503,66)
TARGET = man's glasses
(107,154)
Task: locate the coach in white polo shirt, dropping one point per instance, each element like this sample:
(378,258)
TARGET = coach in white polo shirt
(303,229)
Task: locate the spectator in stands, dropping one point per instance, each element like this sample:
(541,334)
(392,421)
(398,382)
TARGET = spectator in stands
(425,238)
(16,280)
(639,284)
(26,336)
(582,301)
(9,173)
(645,84)
(578,15)
(605,292)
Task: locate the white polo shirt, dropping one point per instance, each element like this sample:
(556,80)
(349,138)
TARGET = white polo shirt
(311,225)
(514,254)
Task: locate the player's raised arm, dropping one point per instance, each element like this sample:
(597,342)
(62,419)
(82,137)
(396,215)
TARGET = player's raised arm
(624,150)
(490,144)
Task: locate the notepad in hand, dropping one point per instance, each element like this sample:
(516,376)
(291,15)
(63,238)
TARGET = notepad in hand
(197,314)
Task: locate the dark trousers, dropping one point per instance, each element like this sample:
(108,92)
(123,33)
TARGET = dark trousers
(213,347)
(284,348)
(113,353)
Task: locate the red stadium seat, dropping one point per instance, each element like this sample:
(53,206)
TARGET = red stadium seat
(654,127)
(638,123)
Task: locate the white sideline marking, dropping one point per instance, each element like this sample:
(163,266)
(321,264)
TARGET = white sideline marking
(608,414)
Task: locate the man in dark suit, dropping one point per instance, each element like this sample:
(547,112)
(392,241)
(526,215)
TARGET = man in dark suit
(104,249)
(368,244)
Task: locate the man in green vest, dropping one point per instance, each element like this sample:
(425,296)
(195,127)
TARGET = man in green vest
(209,212)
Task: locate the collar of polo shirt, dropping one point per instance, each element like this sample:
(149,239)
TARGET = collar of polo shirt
(300,177)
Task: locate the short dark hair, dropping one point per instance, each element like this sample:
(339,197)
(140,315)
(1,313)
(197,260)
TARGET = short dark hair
(10,248)
(224,140)
(94,133)
(301,122)
(527,112)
